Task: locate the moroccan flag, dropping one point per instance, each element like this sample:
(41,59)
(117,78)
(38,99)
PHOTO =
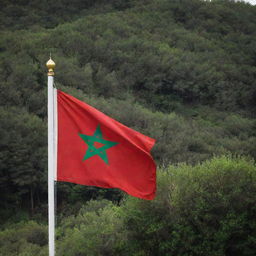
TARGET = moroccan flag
(96,150)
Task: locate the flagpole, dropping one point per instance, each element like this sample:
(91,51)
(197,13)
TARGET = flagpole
(51,158)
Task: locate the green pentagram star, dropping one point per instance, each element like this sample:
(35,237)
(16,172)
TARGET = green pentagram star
(92,149)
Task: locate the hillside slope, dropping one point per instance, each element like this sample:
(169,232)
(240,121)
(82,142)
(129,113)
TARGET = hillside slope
(182,72)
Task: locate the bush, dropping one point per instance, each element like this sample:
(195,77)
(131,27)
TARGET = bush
(209,209)
(96,230)
(26,239)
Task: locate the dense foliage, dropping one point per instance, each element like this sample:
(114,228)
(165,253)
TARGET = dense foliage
(182,72)
(208,209)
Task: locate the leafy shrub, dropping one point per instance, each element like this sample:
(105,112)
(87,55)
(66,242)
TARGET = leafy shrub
(96,230)
(26,239)
(208,209)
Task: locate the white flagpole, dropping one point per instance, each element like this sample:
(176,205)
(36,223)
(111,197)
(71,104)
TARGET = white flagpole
(51,159)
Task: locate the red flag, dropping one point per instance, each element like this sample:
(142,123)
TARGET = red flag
(96,150)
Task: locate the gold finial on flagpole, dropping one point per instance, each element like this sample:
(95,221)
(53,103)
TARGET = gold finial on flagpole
(50,65)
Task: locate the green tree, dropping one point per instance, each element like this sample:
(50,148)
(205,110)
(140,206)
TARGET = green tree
(22,159)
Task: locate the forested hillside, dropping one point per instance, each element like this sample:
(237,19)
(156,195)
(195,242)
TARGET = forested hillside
(182,72)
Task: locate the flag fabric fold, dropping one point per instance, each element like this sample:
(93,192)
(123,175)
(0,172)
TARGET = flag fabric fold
(96,150)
